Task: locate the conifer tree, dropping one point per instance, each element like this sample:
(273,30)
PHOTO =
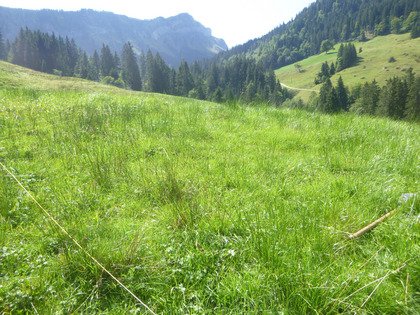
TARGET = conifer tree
(342,97)
(107,61)
(142,68)
(130,70)
(184,82)
(332,69)
(325,70)
(393,99)
(370,97)
(18,49)
(82,65)
(412,109)
(2,48)
(94,69)
(72,53)
(212,80)
(325,98)
(415,30)
(157,73)
(115,73)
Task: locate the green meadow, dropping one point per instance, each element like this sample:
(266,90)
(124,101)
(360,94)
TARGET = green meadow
(200,208)
(373,64)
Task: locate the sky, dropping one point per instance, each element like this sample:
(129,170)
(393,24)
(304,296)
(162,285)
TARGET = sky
(236,21)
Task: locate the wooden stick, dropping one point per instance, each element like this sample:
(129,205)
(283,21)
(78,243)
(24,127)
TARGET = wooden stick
(372,225)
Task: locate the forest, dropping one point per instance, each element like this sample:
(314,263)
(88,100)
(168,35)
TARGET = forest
(243,80)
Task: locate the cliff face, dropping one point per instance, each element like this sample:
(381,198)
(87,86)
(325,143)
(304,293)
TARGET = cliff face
(176,38)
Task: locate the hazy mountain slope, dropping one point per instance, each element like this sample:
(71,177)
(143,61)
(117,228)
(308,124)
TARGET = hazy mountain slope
(175,38)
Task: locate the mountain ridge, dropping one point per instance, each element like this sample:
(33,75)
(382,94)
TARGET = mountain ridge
(176,38)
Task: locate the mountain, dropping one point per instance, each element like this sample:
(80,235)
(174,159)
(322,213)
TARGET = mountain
(336,20)
(176,38)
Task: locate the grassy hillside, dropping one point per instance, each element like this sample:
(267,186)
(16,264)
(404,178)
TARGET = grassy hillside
(13,76)
(198,207)
(373,63)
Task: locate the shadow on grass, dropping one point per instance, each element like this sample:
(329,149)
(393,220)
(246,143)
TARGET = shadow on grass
(358,61)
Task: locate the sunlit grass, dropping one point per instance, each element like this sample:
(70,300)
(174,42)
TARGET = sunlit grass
(203,208)
(373,63)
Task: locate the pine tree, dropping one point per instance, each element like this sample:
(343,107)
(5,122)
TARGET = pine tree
(142,69)
(130,69)
(340,63)
(184,82)
(81,69)
(73,54)
(325,70)
(412,109)
(393,99)
(95,67)
(212,80)
(325,98)
(415,30)
(2,48)
(157,74)
(107,61)
(271,80)
(342,95)
(18,49)
(332,69)
(115,73)
(370,97)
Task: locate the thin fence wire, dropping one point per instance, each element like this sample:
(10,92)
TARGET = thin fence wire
(74,240)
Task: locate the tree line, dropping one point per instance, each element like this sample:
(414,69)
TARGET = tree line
(243,79)
(399,98)
(346,57)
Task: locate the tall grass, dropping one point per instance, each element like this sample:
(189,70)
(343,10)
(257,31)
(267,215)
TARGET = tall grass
(204,208)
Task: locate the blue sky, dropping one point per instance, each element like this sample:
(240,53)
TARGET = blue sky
(236,21)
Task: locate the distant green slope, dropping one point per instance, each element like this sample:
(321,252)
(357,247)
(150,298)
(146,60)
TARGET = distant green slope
(19,77)
(373,63)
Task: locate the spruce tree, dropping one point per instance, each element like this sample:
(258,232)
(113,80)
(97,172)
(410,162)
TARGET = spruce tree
(157,74)
(82,65)
(2,48)
(332,69)
(412,109)
(212,80)
(95,65)
(393,99)
(342,97)
(107,61)
(370,96)
(18,49)
(73,54)
(183,81)
(325,70)
(325,98)
(142,69)
(340,64)
(130,70)
(415,30)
